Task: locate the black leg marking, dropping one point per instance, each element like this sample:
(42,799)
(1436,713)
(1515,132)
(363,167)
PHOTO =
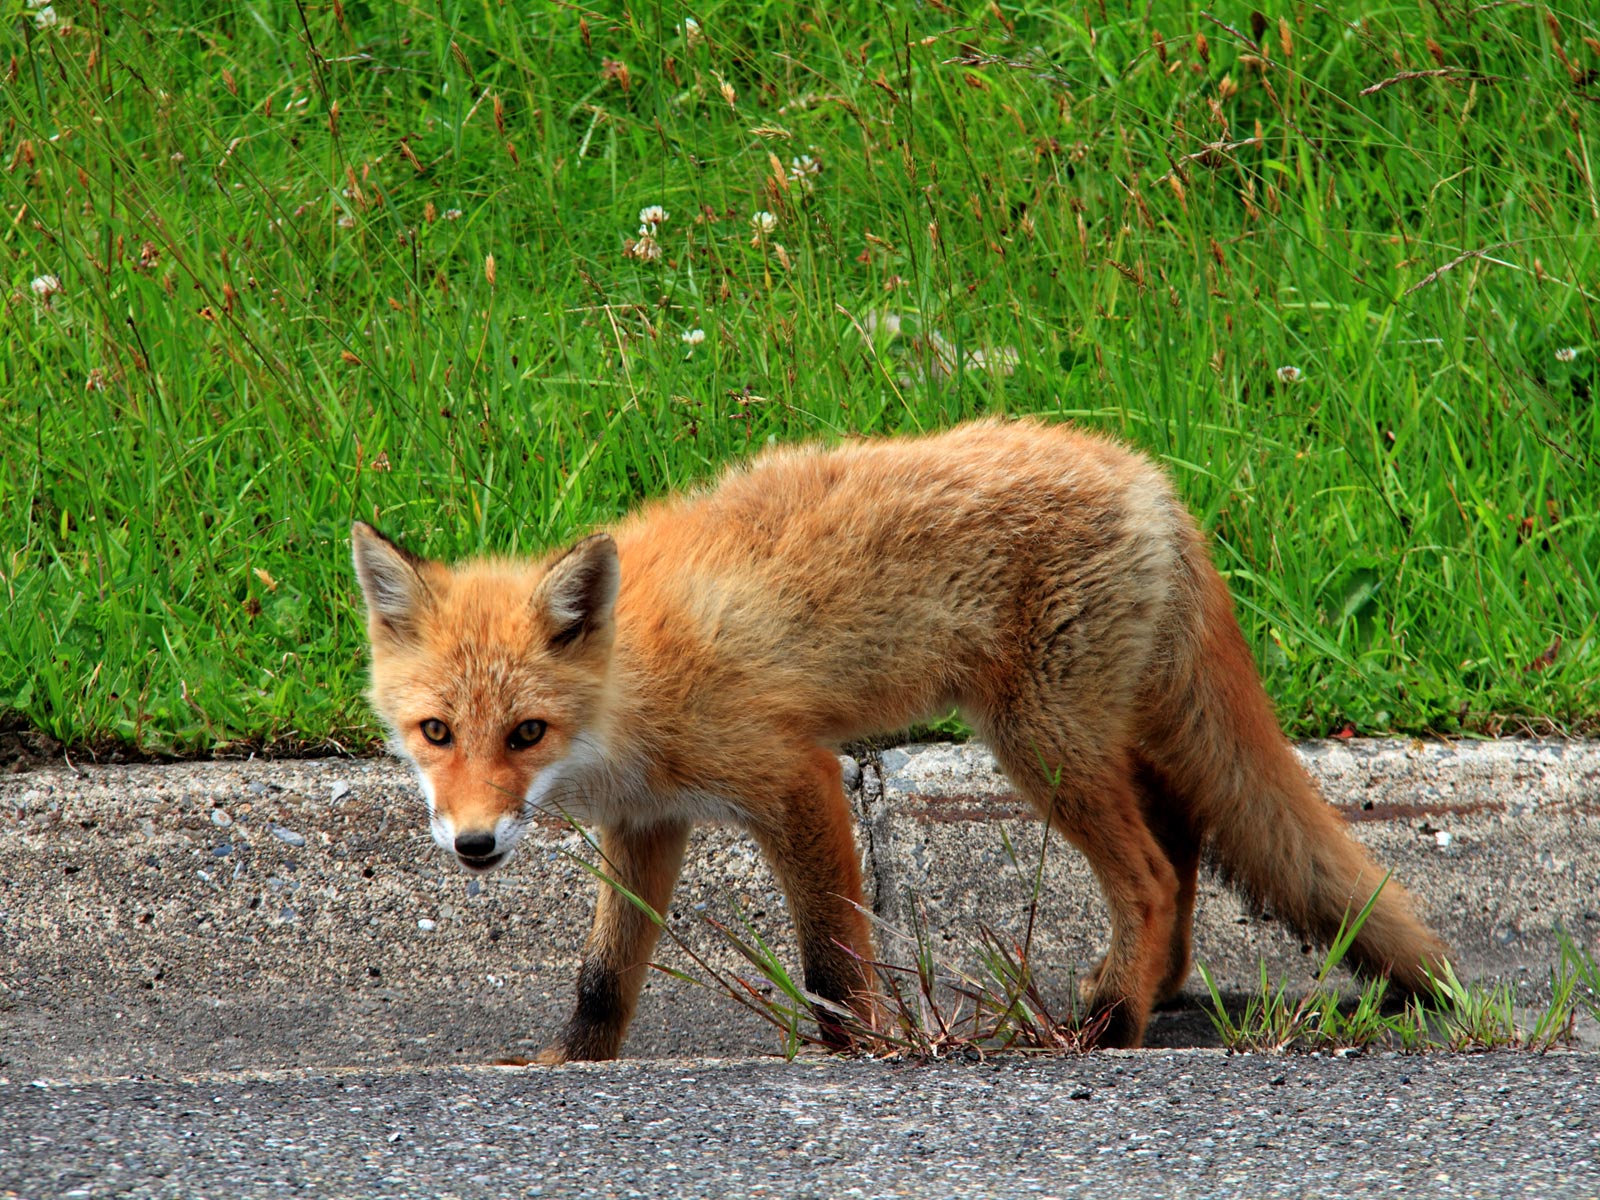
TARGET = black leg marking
(595,1030)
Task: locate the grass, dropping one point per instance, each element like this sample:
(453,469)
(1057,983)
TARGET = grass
(925,1008)
(312,263)
(1459,1017)
(1272,1022)
(928,1005)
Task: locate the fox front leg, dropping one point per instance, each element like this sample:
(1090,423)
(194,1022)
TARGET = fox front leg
(646,862)
(809,840)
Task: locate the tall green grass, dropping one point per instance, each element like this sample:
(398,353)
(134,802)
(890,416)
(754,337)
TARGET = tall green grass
(1338,272)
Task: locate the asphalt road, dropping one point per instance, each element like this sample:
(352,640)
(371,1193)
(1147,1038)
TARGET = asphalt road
(1153,1123)
(261,979)
(172,920)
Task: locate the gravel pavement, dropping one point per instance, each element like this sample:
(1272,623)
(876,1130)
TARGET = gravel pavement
(1156,1124)
(165,920)
(262,979)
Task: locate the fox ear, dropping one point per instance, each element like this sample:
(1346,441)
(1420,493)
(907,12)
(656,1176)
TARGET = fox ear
(577,594)
(391,579)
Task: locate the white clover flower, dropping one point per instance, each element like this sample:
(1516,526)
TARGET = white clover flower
(692,33)
(452,214)
(46,18)
(1289,375)
(764,222)
(46,286)
(1566,354)
(646,249)
(693,337)
(803,172)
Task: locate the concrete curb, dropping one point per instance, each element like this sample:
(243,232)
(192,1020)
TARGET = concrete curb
(167,919)
(1498,841)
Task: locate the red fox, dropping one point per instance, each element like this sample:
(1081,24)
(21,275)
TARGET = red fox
(703,660)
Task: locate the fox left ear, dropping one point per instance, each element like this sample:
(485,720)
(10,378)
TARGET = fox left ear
(577,594)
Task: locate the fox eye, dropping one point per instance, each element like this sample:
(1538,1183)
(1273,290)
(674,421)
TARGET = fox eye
(525,735)
(436,731)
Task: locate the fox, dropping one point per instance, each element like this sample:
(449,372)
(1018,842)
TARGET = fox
(705,659)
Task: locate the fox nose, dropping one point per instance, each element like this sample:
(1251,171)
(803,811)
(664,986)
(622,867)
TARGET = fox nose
(475,845)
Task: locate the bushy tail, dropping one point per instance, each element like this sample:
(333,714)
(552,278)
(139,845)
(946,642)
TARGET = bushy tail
(1216,743)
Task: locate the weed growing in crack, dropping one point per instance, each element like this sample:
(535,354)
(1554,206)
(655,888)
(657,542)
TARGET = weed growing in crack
(1457,1017)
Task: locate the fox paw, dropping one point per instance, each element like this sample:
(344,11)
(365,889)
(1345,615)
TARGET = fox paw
(550,1056)
(1089,984)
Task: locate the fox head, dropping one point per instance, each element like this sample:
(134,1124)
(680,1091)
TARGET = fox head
(492,678)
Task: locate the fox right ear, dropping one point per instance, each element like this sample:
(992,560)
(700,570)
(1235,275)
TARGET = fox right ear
(391,579)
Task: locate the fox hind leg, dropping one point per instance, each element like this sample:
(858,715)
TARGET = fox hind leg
(1171,824)
(1094,803)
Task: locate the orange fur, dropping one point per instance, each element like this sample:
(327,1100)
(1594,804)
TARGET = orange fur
(701,661)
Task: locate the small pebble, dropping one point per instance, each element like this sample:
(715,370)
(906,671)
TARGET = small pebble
(339,788)
(426,925)
(222,850)
(850,773)
(288,835)
(1442,839)
(219,816)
